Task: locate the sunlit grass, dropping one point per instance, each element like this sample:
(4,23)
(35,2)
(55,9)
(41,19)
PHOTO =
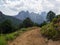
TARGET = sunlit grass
(3,40)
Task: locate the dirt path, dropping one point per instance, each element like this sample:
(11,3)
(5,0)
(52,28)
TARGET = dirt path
(33,37)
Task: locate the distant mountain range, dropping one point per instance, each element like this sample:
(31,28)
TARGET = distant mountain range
(37,18)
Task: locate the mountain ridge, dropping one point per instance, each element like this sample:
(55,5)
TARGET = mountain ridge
(37,18)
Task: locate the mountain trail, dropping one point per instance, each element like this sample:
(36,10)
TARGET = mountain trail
(33,37)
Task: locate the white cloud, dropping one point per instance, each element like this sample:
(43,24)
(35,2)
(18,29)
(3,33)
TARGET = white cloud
(58,0)
(13,6)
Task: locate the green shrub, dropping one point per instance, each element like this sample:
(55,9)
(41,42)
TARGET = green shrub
(49,31)
(56,23)
(23,29)
(10,37)
(54,20)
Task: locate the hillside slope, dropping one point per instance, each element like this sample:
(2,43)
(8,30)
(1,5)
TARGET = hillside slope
(33,37)
(14,20)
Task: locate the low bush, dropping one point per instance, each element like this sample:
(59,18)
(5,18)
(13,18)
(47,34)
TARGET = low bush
(49,31)
(11,36)
(52,30)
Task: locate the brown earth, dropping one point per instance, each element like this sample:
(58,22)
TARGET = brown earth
(33,37)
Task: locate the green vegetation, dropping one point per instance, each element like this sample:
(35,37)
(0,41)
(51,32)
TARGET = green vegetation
(49,31)
(52,29)
(7,27)
(2,40)
(11,36)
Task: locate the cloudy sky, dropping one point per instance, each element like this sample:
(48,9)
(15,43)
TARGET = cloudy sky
(13,7)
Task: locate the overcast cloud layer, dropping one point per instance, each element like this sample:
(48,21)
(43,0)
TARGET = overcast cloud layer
(12,7)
